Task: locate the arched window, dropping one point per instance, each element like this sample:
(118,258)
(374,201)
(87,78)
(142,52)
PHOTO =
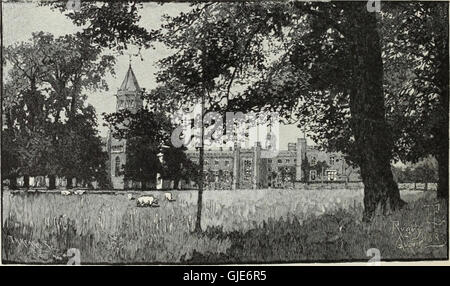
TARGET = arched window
(117,168)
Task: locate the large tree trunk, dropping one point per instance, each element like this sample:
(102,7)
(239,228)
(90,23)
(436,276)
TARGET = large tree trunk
(373,143)
(442,187)
(441,133)
(51,182)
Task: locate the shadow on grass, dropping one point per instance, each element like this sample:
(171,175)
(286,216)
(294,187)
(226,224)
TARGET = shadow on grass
(418,232)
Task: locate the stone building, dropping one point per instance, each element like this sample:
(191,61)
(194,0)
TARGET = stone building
(129,96)
(252,168)
(234,167)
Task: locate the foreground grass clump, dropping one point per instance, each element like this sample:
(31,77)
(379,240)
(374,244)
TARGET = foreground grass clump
(414,233)
(240,226)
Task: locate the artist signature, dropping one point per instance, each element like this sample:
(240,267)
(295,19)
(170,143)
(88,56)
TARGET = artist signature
(425,235)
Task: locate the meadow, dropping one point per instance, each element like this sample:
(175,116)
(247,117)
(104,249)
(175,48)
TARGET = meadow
(260,226)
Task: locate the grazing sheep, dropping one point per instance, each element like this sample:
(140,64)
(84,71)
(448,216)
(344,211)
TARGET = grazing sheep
(66,193)
(169,197)
(147,201)
(130,197)
(79,192)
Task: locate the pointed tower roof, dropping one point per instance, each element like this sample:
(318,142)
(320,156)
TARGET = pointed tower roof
(130,82)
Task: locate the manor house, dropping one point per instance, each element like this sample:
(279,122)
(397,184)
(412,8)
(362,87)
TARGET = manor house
(236,167)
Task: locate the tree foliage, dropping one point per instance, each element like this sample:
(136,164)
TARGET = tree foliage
(49,125)
(147,134)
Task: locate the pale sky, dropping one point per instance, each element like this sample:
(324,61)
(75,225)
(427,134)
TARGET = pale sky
(20,20)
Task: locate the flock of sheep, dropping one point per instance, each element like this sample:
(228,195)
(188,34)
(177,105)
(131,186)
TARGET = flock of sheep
(68,193)
(142,201)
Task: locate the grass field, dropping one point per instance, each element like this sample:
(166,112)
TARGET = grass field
(239,226)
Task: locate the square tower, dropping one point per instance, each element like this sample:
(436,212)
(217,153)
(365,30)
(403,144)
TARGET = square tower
(129,97)
(301,155)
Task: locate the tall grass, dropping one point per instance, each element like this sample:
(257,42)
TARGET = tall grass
(106,228)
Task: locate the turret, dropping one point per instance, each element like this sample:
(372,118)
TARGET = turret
(301,155)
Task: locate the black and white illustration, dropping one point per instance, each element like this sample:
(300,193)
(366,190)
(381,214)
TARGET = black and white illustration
(228,132)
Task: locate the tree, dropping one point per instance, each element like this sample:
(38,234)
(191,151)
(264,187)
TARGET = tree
(113,25)
(327,71)
(331,58)
(426,171)
(86,159)
(201,69)
(25,116)
(320,167)
(177,166)
(416,61)
(74,66)
(147,133)
(142,162)
(291,174)
(46,106)
(305,168)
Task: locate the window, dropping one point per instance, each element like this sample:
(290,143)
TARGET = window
(247,170)
(117,167)
(331,160)
(205,162)
(117,148)
(312,175)
(313,161)
(216,162)
(280,161)
(288,161)
(331,174)
(227,163)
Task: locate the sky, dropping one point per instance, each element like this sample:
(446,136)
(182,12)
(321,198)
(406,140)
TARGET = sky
(20,20)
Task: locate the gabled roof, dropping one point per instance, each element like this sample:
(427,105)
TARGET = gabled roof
(130,82)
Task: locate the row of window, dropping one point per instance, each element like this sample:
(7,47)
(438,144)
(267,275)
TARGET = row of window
(127,103)
(331,175)
(332,161)
(313,173)
(216,162)
(313,161)
(280,161)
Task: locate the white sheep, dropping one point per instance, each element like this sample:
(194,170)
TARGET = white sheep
(169,197)
(66,193)
(79,192)
(130,197)
(147,201)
